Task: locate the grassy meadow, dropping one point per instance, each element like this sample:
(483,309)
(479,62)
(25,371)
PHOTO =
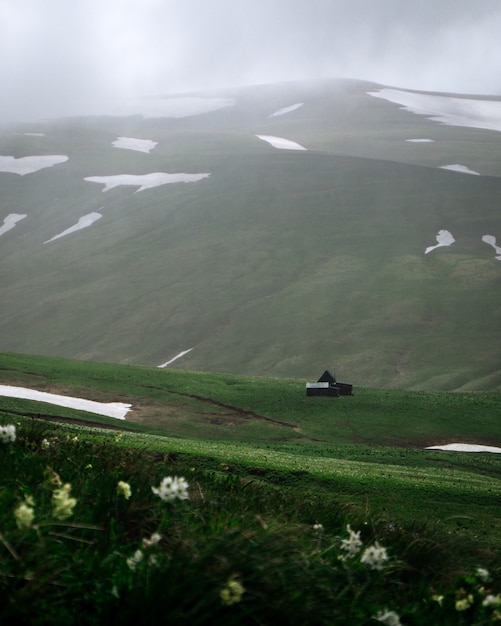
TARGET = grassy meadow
(313,510)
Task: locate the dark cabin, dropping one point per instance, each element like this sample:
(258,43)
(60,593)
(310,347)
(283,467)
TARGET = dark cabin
(327,385)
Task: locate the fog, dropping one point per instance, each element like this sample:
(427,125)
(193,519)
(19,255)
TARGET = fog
(63,57)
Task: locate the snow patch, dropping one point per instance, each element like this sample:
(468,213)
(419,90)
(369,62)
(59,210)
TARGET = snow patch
(491,241)
(111,409)
(144,181)
(10,221)
(449,110)
(130,143)
(465,447)
(459,168)
(178,356)
(30,164)
(421,140)
(280,143)
(83,222)
(285,110)
(35,134)
(444,238)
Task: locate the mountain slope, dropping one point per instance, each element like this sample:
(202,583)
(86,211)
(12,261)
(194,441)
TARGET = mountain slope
(279,262)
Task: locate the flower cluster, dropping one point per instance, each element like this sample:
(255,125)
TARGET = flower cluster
(374,557)
(8,433)
(473,593)
(172,488)
(62,503)
(232,592)
(138,556)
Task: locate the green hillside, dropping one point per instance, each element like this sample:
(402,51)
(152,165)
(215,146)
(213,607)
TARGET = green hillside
(275,485)
(281,263)
(271,421)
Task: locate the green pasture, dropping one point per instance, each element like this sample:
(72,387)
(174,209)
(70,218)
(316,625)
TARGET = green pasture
(367,450)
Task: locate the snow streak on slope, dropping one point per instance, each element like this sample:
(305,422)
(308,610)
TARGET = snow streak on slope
(130,143)
(444,238)
(448,110)
(83,222)
(491,241)
(465,447)
(110,409)
(280,143)
(455,167)
(144,181)
(285,110)
(10,221)
(178,356)
(30,164)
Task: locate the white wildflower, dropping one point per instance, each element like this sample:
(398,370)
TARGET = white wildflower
(390,618)
(483,574)
(351,545)
(232,592)
(62,503)
(124,489)
(492,601)
(374,556)
(172,488)
(152,541)
(25,513)
(464,604)
(135,559)
(8,433)
(45,444)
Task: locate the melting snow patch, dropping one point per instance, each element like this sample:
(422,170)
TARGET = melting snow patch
(444,238)
(30,164)
(282,144)
(447,110)
(459,168)
(10,221)
(178,356)
(285,110)
(144,181)
(110,409)
(83,222)
(465,447)
(491,241)
(140,145)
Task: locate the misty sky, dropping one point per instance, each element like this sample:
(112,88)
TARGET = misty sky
(60,57)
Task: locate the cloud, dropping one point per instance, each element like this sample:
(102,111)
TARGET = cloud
(61,57)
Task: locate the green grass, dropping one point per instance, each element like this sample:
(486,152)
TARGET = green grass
(274,479)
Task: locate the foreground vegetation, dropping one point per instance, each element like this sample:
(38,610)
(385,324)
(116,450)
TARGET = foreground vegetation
(238,499)
(92,533)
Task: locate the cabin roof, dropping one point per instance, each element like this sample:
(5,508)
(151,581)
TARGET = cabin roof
(327,377)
